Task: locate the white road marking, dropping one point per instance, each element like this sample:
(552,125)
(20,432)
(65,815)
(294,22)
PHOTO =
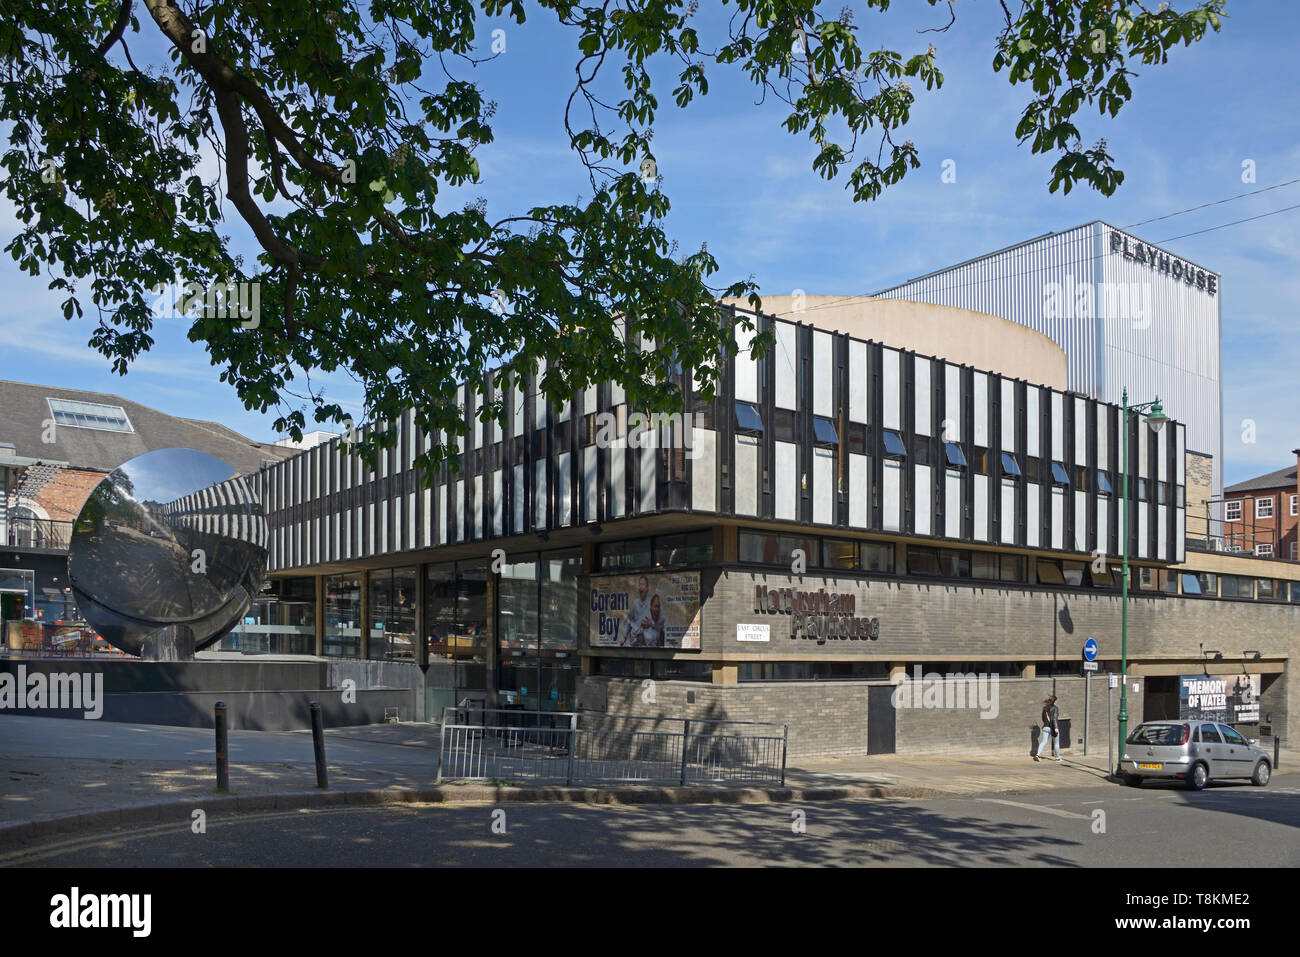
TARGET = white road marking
(1038,807)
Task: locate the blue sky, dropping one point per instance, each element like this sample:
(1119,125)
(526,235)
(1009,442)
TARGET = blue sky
(740,183)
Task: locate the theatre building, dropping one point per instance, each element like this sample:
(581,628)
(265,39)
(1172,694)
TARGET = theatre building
(912,488)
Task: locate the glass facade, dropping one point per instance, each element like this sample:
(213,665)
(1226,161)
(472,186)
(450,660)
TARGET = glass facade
(539,608)
(455,611)
(343,615)
(392,614)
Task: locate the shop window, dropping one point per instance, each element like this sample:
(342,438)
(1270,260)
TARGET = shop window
(893,444)
(560,604)
(747,418)
(877,557)
(824,431)
(954,455)
(1059,474)
(343,615)
(1103,483)
(392,614)
(1009,465)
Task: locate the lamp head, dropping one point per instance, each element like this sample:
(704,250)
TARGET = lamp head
(1157,418)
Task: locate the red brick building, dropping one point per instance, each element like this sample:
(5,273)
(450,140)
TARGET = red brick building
(1261,515)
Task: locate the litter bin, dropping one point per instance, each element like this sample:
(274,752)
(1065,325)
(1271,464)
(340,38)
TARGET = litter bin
(1064,725)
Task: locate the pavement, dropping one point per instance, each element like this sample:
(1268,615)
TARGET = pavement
(65,774)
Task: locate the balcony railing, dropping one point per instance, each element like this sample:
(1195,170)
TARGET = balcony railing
(38,533)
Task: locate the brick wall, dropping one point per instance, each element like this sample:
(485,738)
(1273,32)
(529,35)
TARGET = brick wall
(64,495)
(829,719)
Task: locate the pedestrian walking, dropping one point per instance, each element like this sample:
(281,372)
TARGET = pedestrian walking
(1051,729)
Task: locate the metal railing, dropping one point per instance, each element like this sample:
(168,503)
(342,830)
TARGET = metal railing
(38,533)
(486,744)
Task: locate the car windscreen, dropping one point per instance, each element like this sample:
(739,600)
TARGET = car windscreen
(1157,734)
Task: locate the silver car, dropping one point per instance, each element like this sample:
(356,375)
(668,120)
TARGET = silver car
(1194,751)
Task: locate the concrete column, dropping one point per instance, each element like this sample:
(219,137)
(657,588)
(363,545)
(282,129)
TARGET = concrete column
(1029,671)
(726,674)
(897,672)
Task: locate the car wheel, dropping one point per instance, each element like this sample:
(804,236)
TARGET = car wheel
(1261,775)
(1198,777)
(1133,780)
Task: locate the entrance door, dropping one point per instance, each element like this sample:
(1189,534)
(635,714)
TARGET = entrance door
(880,720)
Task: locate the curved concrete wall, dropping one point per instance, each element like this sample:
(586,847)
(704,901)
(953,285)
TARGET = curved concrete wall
(989,343)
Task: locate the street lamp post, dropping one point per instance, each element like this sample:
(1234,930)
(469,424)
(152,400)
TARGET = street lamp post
(1156,420)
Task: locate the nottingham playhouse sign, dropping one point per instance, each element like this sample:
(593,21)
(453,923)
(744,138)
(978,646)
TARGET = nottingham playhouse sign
(1160,261)
(817,615)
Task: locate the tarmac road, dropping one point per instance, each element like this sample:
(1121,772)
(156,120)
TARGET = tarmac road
(1227,825)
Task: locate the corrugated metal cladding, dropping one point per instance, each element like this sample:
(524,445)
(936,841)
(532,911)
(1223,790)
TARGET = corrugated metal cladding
(1123,310)
(828,431)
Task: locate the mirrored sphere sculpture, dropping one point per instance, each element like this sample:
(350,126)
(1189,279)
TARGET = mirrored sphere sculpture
(167,553)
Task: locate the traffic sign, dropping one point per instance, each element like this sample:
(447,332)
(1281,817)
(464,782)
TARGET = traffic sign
(1114,681)
(1090,649)
(1091,665)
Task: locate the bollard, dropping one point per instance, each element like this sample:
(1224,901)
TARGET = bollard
(318,742)
(223,757)
(1277,750)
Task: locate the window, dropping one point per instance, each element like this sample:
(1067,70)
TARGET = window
(1031,468)
(1231,736)
(1103,482)
(921,449)
(1232,511)
(1295,504)
(1009,465)
(876,557)
(1191,584)
(980,460)
(1073,573)
(1236,586)
(1264,507)
(838,553)
(612,556)
(686,549)
(984,565)
(1013,568)
(1266,588)
(1295,547)
(89,415)
(893,444)
(1210,734)
(1264,549)
(824,431)
(955,456)
(1059,475)
(1295,592)
(747,418)
(922,561)
(762,548)
(1049,573)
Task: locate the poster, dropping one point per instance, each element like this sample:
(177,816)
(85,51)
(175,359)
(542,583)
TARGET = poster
(650,610)
(1227,699)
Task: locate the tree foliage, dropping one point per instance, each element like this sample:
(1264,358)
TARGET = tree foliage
(338,128)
